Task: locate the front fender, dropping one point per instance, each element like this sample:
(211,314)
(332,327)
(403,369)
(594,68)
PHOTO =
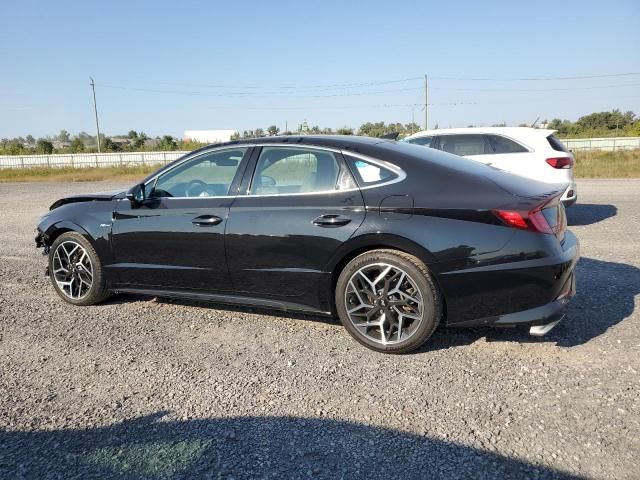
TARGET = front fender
(94,224)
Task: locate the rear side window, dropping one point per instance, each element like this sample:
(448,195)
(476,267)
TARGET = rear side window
(425,141)
(500,144)
(368,173)
(556,144)
(465,144)
(286,170)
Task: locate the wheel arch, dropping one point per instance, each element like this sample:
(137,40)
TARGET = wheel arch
(366,243)
(58,228)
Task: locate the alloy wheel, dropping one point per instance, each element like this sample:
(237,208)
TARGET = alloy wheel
(72,270)
(384,303)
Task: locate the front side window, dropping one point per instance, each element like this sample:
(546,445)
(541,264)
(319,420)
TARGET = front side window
(208,175)
(464,145)
(500,144)
(289,170)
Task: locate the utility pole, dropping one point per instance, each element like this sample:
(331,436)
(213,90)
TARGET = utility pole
(95,109)
(426,94)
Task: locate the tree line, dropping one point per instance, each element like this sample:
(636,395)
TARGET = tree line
(597,124)
(367,129)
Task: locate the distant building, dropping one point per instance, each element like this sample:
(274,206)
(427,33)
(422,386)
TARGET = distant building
(121,141)
(59,144)
(208,136)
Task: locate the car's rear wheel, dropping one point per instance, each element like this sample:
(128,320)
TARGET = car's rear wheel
(76,271)
(387,301)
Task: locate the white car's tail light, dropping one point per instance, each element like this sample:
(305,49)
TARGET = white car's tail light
(560,162)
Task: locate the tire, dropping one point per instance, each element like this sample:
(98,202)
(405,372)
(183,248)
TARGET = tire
(76,271)
(405,298)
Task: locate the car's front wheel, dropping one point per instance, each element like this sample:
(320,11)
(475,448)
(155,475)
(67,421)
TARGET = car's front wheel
(76,271)
(387,301)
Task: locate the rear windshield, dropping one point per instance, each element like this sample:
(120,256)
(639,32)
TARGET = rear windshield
(556,144)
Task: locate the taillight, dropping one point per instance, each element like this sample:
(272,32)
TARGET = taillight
(533,221)
(560,162)
(539,222)
(512,218)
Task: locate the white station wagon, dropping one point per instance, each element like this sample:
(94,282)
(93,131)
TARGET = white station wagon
(528,152)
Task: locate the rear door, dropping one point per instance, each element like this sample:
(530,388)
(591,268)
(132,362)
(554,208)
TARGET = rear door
(511,156)
(300,205)
(474,146)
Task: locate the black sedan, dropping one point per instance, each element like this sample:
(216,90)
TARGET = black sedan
(393,238)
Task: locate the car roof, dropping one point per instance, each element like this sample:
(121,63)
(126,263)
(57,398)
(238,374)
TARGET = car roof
(353,143)
(334,141)
(521,133)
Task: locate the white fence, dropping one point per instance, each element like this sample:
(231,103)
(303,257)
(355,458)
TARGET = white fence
(611,144)
(80,160)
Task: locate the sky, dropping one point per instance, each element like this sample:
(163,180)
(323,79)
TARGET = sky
(164,66)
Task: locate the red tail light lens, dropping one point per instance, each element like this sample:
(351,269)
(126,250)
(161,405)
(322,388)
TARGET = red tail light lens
(534,220)
(512,218)
(560,162)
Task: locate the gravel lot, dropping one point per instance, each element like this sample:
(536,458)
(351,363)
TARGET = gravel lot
(144,388)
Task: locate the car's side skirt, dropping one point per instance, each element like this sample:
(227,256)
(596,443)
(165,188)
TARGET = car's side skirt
(226,299)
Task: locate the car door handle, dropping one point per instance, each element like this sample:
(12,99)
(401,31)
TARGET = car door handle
(206,220)
(331,220)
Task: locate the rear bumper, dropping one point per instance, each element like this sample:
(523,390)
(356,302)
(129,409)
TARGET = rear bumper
(549,313)
(529,292)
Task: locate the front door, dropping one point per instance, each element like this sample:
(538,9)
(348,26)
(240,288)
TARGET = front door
(174,240)
(301,205)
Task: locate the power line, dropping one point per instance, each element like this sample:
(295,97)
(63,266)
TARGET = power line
(319,87)
(380,105)
(286,89)
(593,87)
(355,94)
(253,94)
(537,79)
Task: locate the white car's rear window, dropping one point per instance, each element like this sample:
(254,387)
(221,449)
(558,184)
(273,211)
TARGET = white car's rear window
(556,144)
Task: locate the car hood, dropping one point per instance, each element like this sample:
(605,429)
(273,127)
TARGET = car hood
(88,197)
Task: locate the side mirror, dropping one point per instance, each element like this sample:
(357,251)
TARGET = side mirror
(136,195)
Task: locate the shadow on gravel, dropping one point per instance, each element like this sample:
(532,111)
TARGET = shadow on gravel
(605,296)
(249,447)
(589,213)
